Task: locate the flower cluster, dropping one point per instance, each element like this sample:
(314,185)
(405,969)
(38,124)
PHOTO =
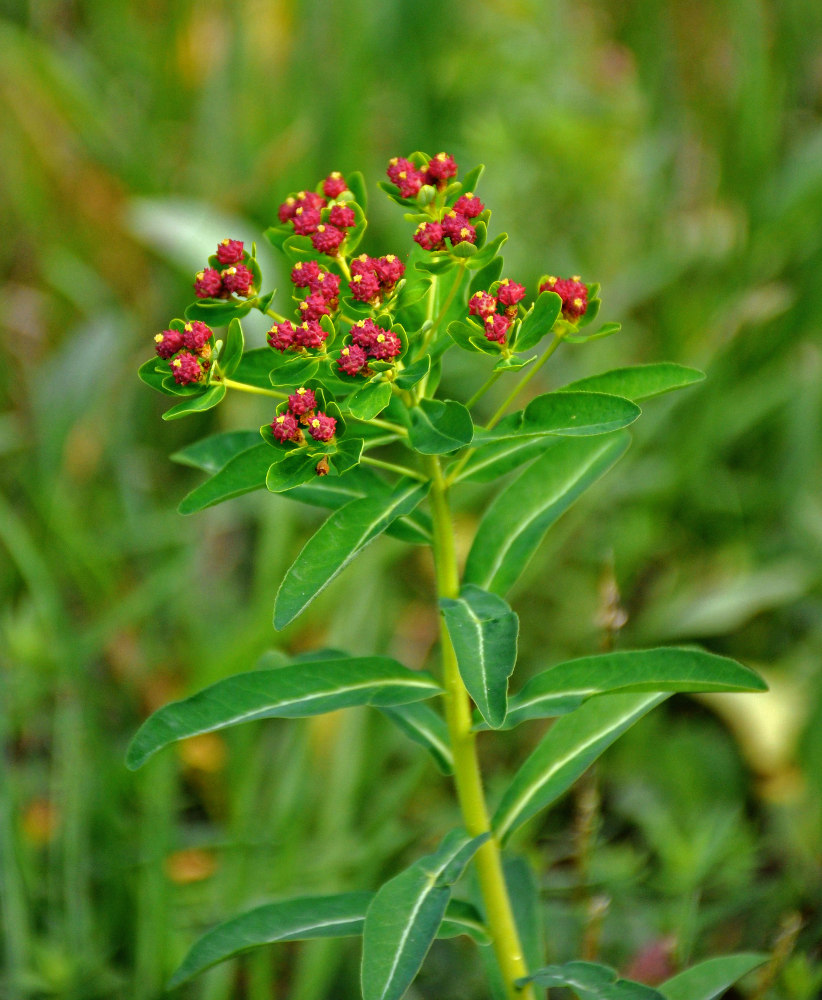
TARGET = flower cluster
(374,278)
(231,277)
(188,351)
(484,305)
(302,412)
(437,172)
(572,291)
(322,299)
(320,216)
(368,342)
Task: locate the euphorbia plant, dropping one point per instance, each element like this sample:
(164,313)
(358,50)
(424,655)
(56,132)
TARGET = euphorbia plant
(356,423)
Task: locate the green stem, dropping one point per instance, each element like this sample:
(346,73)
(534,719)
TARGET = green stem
(391,467)
(385,424)
(467,776)
(275,315)
(344,268)
(256,389)
(492,378)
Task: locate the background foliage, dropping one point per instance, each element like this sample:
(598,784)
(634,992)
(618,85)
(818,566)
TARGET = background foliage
(671,151)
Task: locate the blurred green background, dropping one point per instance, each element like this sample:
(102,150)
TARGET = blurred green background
(670,150)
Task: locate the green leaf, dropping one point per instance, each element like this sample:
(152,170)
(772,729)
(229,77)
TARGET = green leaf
(570,746)
(342,915)
(569,414)
(471,179)
(486,276)
(277,235)
(369,399)
(212,453)
(295,691)
(405,915)
(294,469)
(356,185)
(566,686)
(491,461)
(483,631)
(197,404)
(513,364)
(488,252)
(232,351)
(343,536)
(463,250)
(217,312)
(438,427)
(255,367)
(711,978)
(514,524)
(153,375)
(591,981)
(409,376)
(463,918)
(354,236)
(243,473)
(639,381)
(606,330)
(468,335)
(294,372)
(539,320)
(426,727)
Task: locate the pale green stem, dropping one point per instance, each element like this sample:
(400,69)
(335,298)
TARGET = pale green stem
(391,467)
(467,777)
(344,268)
(429,335)
(491,380)
(256,389)
(385,424)
(275,315)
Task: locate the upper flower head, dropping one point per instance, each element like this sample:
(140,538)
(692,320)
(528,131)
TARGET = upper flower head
(230,251)
(334,185)
(572,291)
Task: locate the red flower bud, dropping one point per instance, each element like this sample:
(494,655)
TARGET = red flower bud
(230,251)
(310,199)
(469,205)
(572,291)
(327,285)
(482,304)
(389,270)
(284,426)
(302,401)
(352,360)
(168,343)
(327,239)
(364,264)
(186,369)
(458,229)
(238,279)
(314,306)
(429,235)
(286,211)
(305,220)
(405,175)
(341,216)
(334,185)
(385,346)
(309,334)
(363,333)
(321,427)
(365,287)
(510,292)
(196,335)
(281,336)
(304,272)
(208,284)
(496,327)
(440,169)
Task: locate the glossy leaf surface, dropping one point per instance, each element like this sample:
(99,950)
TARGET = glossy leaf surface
(426,727)
(245,472)
(639,381)
(294,691)
(710,979)
(571,414)
(438,427)
(591,981)
(197,404)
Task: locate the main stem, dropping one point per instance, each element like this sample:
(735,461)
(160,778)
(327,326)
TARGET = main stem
(467,777)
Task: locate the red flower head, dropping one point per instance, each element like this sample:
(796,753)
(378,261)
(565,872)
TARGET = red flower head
(208,284)
(405,175)
(327,239)
(309,334)
(572,291)
(482,304)
(363,333)
(238,279)
(304,272)
(305,220)
(167,343)
(186,369)
(230,251)
(510,292)
(365,287)
(458,229)
(364,264)
(284,426)
(440,169)
(334,185)
(281,336)
(321,427)
(196,335)
(429,235)
(327,285)
(389,270)
(496,327)
(310,199)
(469,205)
(286,211)
(302,401)
(341,216)
(314,306)
(385,346)
(352,359)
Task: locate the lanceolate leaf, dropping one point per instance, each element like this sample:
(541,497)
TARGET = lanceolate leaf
(513,526)
(573,414)
(438,427)
(336,543)
(483,631)
(212,453)
(232,352)
(639,381)
(405,916)
(243,473)
(197,404)
(491,461)
(294,691)
(570,746)
(342,915)
(564,687)
(711,978)
(423,725)
(591,981)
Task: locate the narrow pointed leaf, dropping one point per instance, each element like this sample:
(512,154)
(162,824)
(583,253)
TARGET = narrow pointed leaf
(591,981)
(197,404)
(514,524)
(639,381)
(538,321)
(569,414)
(566,686)
(243,473)
(463,918)
(483,631)
(212,453)
(290,920)
(491,461)
(406,914)
(423,725)
(438,427)
(570,746)
(232,351)
(711,978)
(343,536)
(294,691)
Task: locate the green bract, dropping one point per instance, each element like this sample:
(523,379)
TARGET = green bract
(354,421)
